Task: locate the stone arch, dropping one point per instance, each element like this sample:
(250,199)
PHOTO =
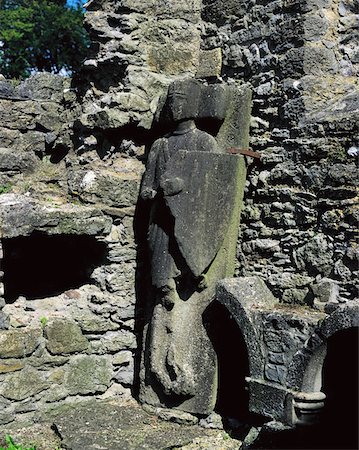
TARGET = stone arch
(232,362)
(307,363)
(238,300)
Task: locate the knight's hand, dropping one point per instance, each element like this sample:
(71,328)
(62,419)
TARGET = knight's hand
(172,186)
(148,194)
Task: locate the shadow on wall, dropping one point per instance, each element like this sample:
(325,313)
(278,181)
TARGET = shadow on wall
(40,266)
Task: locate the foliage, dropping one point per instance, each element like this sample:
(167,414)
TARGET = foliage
(43,321)
(41,35)
(5,188)
(12,446)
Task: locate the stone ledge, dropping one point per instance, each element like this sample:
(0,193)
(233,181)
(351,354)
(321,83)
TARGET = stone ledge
(21,215)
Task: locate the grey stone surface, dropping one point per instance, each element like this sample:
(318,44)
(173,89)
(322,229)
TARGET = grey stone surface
(17,343)
(112,425)
(11,365)
(23,384)
(199,229)
(298,119)
(286,344)
(299,60)
(21,215)
(64,336)
(20,162)
(44,86)
(242,297)
(88,375)
(267,400)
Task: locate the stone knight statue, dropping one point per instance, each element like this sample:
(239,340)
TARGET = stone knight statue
(168,269)
(195,190)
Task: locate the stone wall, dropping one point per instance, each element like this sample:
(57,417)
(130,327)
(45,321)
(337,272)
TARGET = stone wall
(72,154)
(67,306)
(300,58)
(299,220)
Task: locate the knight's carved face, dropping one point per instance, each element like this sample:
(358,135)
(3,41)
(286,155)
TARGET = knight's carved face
(183,99)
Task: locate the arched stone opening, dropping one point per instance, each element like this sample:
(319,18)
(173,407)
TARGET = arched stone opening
(233,365)
(330,404)
(323,379)
(39,265)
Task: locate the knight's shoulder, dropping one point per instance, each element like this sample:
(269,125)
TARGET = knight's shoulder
(159,143)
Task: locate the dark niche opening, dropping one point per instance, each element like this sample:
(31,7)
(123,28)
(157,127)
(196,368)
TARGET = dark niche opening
(233,367)
(339,421)
(40,266)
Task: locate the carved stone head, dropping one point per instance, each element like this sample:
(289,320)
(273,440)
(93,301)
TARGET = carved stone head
(183,99)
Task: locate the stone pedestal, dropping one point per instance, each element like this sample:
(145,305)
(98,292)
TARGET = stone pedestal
(307,407)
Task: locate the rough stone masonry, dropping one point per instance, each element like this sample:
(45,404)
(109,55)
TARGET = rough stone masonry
(72,154)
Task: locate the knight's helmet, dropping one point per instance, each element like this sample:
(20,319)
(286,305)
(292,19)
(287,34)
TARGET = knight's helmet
(183,99)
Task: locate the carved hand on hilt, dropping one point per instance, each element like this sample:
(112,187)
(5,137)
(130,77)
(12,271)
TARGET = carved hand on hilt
(148,193)
(171,186)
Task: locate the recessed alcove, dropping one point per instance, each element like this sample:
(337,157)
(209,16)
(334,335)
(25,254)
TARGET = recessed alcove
(233,365)
(339,421)
(337,426)
(40,265)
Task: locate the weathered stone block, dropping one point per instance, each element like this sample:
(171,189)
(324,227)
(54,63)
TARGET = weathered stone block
(116,341)
(44,86)
(11,365)
(210,63)
(17,162)
(49,117)
(172,46)
(189,9)
(316,256)
(315,27)
(267,399)
(6,418)
(9,138)
(19,115)
(125,374)
(20,342)
(214,101)
(4,320)
(23,384)
(107,187)
(20,215)
(6,89)
(275,373)
(122,358)
(32,141)
(297,296)
(326,290)
(92,323)
(88,375)
(64,336)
